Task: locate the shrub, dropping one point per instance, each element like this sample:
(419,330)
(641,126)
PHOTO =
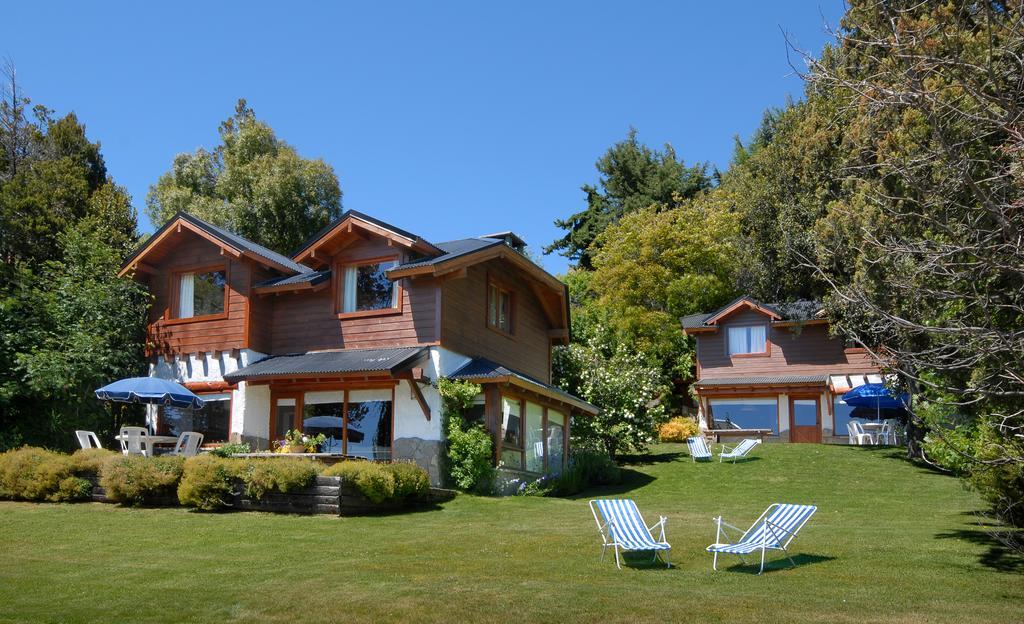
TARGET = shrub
(469,459)
(373,480)
(587,467)
(678,429)
(282,475)
(229,449)
(137,480)
(36,474)
(411,481)
(953,448)
(90,461)
(207,482)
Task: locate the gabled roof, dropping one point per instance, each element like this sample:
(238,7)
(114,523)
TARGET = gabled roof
(355,218)
(792,313)
(482,370)
(302,279)
(240,246)
(451,250)
(328,362)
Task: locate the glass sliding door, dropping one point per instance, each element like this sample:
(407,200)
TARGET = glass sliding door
(556,441)
(368,430)
(534,437)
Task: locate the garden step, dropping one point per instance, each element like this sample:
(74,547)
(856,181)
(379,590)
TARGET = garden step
(299,499)
(273,506)
(330,481)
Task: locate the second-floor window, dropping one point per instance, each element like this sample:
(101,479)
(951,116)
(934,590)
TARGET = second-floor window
(748,339)
(499,308)
(201,293)
(367,287)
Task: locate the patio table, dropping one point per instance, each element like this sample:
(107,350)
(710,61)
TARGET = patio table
(153,440)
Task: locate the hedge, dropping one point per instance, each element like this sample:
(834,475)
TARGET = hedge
(383,482)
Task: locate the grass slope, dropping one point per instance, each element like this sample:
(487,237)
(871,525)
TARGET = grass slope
(890,543)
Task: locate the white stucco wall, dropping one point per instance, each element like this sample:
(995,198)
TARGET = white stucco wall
(250,413)
(201,367)
(409,419)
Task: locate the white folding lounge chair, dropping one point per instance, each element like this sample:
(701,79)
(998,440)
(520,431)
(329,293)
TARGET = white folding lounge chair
(188,444)
(623,528)
(88,440)
(133,441)
(741,449)
(774,530)
(698,448)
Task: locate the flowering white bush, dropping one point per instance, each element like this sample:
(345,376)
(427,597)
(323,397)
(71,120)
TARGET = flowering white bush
(618,381)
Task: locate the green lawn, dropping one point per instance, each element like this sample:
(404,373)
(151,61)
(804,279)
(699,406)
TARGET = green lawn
(890,543)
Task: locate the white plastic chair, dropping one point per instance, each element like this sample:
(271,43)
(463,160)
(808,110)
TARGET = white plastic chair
(88,440)
(887,434)
(857,434)
(188,444)
(133,441)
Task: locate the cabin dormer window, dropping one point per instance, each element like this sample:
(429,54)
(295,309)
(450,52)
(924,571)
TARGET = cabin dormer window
(748,340)
(499,307)
(201,293)
(366,287)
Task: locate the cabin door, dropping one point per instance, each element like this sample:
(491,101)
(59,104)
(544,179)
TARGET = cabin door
(804,419)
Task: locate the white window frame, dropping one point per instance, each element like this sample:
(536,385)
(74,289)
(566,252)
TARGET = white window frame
(749,339)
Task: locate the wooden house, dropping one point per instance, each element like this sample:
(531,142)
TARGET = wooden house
(775,367)
(346,337)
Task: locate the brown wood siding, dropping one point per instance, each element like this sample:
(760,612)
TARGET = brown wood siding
(794,351)
(307,322)
(215,334)
(465,330)
(261,315)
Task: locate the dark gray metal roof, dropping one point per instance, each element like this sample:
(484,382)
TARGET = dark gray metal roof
(244,244)
(800,310)
(326,362)
(313,278)
(762,381)
(453,249)
(229,238)
(482,368)
(359,215)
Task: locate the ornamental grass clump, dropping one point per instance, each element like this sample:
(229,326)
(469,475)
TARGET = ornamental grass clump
(373,480)
(139,480)
(36,474)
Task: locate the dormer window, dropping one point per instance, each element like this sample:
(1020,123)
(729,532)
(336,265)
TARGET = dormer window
(366,287)
(748,339)
(201,293)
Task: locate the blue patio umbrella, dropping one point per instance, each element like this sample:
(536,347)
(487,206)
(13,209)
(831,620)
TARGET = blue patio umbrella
(149,390)
(874,395)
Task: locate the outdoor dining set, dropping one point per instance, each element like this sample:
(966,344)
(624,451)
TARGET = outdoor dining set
(873,432)
(138,441)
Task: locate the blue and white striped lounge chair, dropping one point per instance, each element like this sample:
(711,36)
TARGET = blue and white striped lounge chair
(745,446)
(698,448)
(774,530)
(623,528)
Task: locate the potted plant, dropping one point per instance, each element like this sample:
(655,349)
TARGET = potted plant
(297,442)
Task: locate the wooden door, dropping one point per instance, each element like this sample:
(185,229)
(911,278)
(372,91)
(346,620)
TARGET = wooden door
(804,419)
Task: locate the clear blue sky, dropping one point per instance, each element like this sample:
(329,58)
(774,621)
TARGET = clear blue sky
(447,119)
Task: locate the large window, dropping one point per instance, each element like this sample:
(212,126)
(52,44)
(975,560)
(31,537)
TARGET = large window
(201,293)
(747,339)
(533,437)
(364,430)
(499,308)
(213,420)
(511,433)
(843,415)
(754,413)
(367,287)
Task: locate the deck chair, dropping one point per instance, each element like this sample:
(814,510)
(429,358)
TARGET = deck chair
(698,448)
(745,446)
(623,528)
(88,440)
(188,444)
(774,530)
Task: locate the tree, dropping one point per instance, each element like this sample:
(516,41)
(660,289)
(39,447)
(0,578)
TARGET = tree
(253,184)
(632,176)
(653,267)
(929,221)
